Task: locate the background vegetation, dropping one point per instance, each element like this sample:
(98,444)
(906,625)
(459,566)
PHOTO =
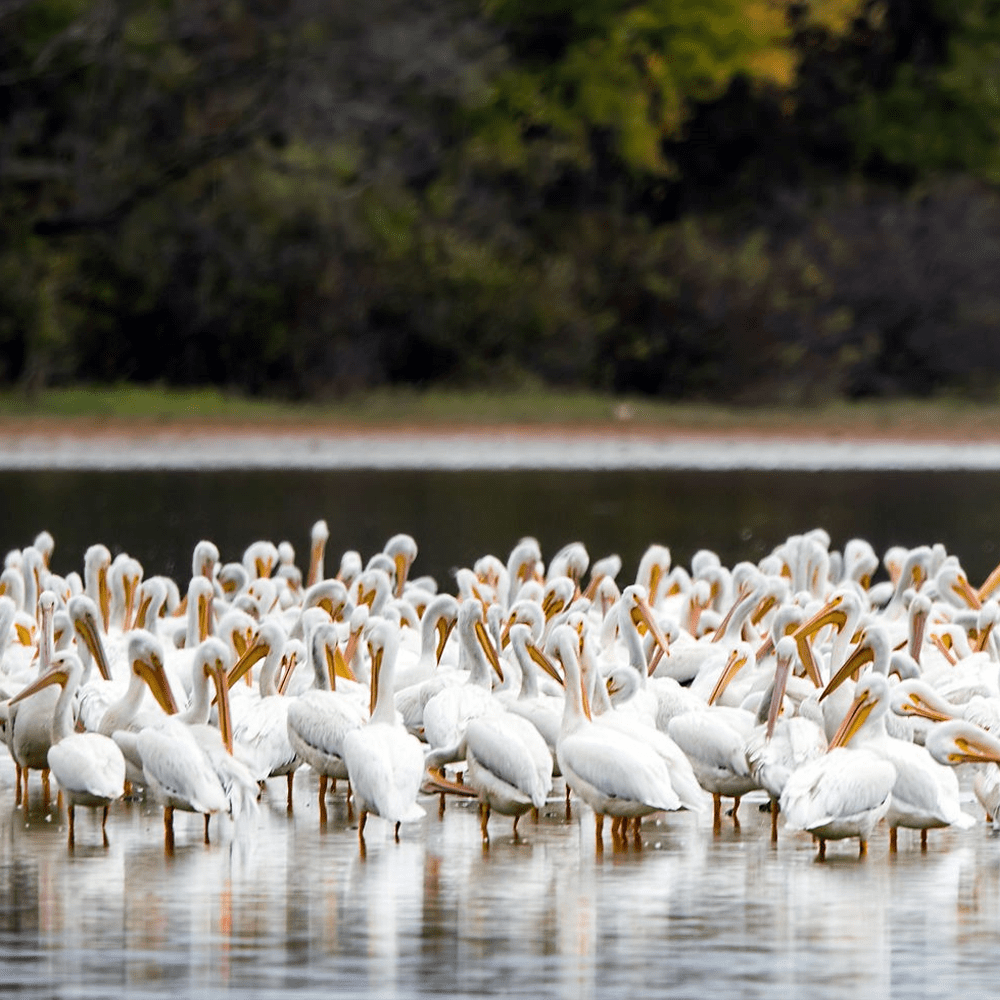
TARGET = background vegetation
(747,200)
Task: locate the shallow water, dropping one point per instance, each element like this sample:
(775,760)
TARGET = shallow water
(297,908)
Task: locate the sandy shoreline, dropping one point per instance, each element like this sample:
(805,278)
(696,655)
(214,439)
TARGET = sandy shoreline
(39,444)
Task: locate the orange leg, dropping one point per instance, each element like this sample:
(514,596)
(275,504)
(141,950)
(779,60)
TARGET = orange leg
(168,829)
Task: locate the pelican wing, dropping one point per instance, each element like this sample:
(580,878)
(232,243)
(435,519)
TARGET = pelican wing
(513,751)
(617,766)
(90,764)
(177,770)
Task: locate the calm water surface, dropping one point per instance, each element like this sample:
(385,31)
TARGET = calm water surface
(457,516)
(295,909)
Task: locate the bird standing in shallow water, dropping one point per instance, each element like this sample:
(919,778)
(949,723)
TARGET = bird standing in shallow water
(384,762)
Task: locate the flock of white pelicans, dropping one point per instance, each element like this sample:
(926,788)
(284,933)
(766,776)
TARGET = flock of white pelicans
(850,703)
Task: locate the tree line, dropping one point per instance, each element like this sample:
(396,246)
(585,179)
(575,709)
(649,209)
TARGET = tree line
(756,200)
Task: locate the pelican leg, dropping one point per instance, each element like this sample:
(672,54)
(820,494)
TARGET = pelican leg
(775,809)
(569,812)
(923,840)
(104,825)
(893,832)
(290,778)
(862,847)
(534,815)
(361,826)
(207,841)
(599,829)
(637,831)
(484,819)
(736,806)
(17,779)
(350,803)
(716,813)
(72,832)
(168,828)
(516,818)
(46,788)
(822,849)
(398,825)
(322,800)
(322,787)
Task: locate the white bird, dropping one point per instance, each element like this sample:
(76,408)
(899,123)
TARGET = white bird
(714,741)
(543,711)
(509,766)
(190,766)
(124,718)
(924,794)
(842,794)
(447,714)
(263,724)
(29,723)
(89,768)
(385,763)
(779,746)
(613,773)
(320,718)
(959,741)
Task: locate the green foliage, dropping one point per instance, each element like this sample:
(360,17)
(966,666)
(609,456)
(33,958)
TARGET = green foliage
(941,117)
(309,199)
(627,69)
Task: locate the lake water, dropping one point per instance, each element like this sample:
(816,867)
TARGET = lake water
(458,516)
(296,909)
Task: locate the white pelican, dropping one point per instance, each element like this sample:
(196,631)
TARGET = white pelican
(613,773)
(89,768)
(714,740)
(447,714)
(237,765)
(402,550)
(543,711)
(440,617)
(124,718)
(182,763)
(30,720)
(320,718)
(263,724)
(318,537)
(959,741)
(842,794)
(924,794)
(780,745)
(385,763)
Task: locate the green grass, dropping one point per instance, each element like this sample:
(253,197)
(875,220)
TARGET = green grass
(160,406)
